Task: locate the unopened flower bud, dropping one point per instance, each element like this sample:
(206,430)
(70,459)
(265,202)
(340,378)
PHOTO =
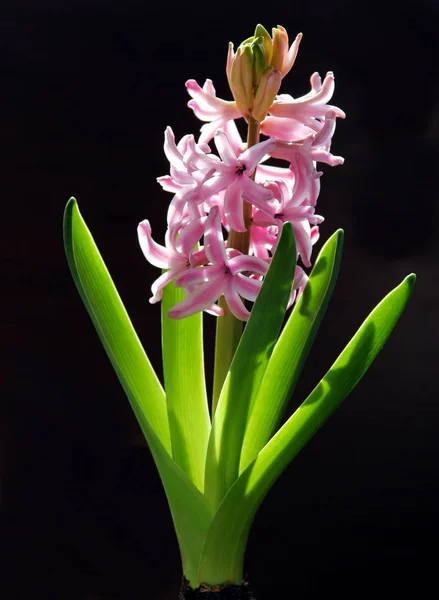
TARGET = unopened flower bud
(241,78)
(257,68)
(261,32)
(283,57)
(267,91)
(260,63)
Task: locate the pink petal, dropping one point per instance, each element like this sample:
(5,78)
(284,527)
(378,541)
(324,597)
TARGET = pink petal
(255,193)
(160,283)
(253,156)
(208,106)
(189,236)
(224,148)
(322,155)
(234,302)
(208,130)
(247,287)
(199,299)
(262,240)
(209,88)
(302,234)
(157,255)
(234,138)
(198,258)
(267,173)
(172,152)
(315,234)
(211,187)
(197,276)
(262,219)
(247,263)
(233,207)
(214,239)
(283,128)
(215,310)
(195,158)
(314,104)
(168,184)
(176,208)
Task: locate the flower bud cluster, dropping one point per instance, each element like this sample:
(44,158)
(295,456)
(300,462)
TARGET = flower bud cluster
(210,190)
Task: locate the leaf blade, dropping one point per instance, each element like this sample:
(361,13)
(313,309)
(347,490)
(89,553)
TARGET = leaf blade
(190,511)
(247,370)
(183,368)
(223,551)
(291,350)
(113,324)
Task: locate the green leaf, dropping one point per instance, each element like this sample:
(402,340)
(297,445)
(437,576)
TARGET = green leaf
(183,367)
(112,322)
(223,551)
(247,370)
(190,510)
(291,350)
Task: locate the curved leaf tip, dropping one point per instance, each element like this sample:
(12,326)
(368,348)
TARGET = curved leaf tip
(411,280)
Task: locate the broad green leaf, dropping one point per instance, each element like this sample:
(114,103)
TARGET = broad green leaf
(247,370)
(191,513)
(186,398)
(291,350)
(112,322)
(223,551)
(190,510)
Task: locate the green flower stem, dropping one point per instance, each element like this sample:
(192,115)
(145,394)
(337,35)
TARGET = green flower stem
(229,328)
(228,334)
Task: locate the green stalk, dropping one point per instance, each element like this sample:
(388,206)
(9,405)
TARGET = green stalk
(228,334)
(228,327)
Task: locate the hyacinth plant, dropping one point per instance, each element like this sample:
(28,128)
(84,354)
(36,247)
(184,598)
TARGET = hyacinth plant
(240,233)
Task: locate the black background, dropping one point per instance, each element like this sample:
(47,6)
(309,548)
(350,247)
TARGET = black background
(87,91)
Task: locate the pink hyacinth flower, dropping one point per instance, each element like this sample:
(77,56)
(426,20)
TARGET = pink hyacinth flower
(233,175)
(207,107)
(223,277)
(316,147)
(262,240)
(184,180)
(283,208)
(177,255)
(293,119)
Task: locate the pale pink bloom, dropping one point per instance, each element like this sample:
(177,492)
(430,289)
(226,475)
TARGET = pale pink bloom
(306,180)
(232,174)
(217,200)
(302,157)
(293,119)
(284,208)
(234,137)
(185,179)
(262,239)
(266,173)
(301,176)
(315,147)
(207,107)
(223,277)
(178,254)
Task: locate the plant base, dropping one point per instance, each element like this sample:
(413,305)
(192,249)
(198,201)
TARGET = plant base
(227,591)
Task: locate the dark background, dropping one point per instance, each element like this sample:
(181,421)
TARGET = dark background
(87,91)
